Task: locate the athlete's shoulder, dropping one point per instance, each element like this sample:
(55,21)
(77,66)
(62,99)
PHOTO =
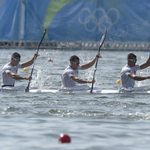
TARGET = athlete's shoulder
(6,66)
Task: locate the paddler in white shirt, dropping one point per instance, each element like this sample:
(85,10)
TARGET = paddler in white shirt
(128,72)
(70,75)
(9,71)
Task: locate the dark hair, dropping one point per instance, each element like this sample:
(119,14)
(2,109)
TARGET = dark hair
(131,56)
(74,57)
(15,55)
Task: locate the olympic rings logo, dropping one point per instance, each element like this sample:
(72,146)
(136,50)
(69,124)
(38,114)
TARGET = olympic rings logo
(99,18)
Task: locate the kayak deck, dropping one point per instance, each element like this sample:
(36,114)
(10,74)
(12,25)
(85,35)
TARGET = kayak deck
(85,91)
(95,90)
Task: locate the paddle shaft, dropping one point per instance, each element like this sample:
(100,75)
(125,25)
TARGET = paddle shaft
(95,71)
(101,43)
(27,88)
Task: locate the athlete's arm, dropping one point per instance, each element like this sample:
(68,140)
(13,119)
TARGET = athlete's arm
(29,62)
(91,63)
(137,77)
(79,80)
(146,64)
(18,77)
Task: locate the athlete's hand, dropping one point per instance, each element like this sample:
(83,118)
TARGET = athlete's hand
(36,54)
(92,81)
(98,54)
(28,78)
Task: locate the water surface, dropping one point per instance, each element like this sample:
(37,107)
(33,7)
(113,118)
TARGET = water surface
(34,121)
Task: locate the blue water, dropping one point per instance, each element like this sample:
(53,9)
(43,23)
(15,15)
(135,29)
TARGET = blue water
(34,121)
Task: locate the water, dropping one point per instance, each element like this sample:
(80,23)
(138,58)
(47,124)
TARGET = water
(34,121)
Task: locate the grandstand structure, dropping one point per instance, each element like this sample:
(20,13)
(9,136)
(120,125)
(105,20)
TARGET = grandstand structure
(117,46)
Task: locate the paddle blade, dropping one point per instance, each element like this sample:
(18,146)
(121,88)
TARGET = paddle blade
(27,88)
(102,40)
(91,88)
(42,38)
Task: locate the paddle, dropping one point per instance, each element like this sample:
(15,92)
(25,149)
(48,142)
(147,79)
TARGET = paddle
(100,45)
(27,88)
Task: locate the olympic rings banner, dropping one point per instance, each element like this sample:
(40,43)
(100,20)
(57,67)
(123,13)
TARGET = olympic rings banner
(75,20)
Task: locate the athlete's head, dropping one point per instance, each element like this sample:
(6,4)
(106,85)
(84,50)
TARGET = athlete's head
(74,58)
(74,61)
(131,56)
(15,55)
(131,59)
(15,58)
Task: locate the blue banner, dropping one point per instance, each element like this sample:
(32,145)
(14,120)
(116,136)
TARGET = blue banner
(9,22)
(75,20)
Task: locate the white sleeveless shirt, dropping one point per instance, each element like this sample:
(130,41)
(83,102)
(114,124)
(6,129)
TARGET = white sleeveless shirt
(67,82)
(125,80)
(6,79)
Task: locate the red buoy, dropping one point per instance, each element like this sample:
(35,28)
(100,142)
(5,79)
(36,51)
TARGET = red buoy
(50,60)
(64,138)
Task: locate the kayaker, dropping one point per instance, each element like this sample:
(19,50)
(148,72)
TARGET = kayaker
(9,71)
(70,75)
(128,72)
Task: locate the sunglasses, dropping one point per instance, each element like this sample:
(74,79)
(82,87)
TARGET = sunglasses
(77,63)
(17,60)
(133,60)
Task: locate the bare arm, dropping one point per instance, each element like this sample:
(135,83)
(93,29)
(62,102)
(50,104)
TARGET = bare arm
(146,64)
(91,63)
(29,62)
(79,80)
(18,77)
(138,78)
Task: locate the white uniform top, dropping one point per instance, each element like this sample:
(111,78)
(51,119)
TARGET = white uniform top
(125,80)
(67,82)
(6,79)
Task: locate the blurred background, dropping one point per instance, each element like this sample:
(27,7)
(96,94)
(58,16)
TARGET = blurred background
(75,24)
